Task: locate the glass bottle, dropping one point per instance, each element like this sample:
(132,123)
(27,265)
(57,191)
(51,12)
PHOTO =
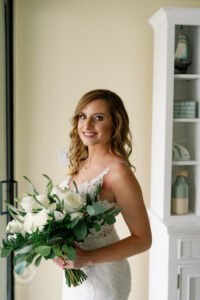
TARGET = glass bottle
(180,193)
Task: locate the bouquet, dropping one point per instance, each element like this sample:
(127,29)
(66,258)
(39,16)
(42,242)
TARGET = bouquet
(47,226)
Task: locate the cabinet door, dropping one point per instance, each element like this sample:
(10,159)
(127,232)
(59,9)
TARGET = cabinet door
(190,282)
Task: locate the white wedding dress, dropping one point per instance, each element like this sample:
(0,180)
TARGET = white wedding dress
(106,281)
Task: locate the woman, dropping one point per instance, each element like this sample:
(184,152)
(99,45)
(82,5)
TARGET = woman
(99,153)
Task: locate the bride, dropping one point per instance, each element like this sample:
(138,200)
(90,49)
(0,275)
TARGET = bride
(99,153)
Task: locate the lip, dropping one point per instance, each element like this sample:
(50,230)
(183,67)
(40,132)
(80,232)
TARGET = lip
(89,134)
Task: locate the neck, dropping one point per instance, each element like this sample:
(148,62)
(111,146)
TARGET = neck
(97,154)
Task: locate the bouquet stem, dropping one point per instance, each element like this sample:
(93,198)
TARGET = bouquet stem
(74,277)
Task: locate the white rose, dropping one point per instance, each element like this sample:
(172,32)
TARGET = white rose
(58,215)
(73,201)
(58,191)
(43,199)
(14,227)
(28,203)
(34,221)
(75,215)
(12,236)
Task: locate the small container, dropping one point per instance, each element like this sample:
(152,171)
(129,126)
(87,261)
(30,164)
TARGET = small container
(180,193)
(185,109)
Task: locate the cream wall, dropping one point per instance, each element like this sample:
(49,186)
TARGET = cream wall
(62,50)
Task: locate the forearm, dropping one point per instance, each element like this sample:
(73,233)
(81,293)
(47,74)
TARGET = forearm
(124,248)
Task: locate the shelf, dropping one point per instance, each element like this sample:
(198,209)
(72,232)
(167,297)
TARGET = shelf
(185,163)
(188,120)
(186,76)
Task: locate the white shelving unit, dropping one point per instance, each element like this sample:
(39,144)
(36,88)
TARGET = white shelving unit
(175,253)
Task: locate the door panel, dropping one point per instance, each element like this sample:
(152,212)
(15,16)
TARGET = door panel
(190,282)
(3,175)
(6,140)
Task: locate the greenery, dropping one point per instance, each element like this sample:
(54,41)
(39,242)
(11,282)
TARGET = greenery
(58,235)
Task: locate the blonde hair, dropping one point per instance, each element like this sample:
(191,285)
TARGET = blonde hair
(121,140)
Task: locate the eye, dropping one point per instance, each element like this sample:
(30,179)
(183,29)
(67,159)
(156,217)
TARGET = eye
(99,118)
(81,116)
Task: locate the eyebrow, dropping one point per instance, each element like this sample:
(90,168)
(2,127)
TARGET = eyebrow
(97,113)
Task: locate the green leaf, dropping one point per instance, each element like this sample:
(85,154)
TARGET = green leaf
(55,239)
(6,251)
(80,231)
(50,256)
(43,250)
(38,260)
(74,222)
(25,249)
(75,185)
(57,251)
(30,258)
(88,199)
(13,208)
(31,185)
(38,202)
(18,258)
(69,250)
(97,226)
(109,219)
(95,209)
(49,185)
(20,267)
(116,211)
(15,216)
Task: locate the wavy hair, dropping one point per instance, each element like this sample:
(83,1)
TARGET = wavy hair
(121,139)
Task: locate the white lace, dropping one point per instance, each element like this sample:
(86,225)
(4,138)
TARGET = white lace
(89,187)
(106,281)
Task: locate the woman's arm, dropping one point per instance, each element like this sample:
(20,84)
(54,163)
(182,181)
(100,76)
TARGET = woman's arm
(128,195)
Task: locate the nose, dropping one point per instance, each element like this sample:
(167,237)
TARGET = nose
(88,123)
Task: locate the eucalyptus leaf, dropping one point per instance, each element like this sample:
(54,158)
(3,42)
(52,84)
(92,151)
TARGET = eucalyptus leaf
(43,250)
(80,231)
(74,222)
(116,211)
(70,251)
(55,239)
(95,209)
(20,267)
(30,258)
(38,260)
(25,249)
(57,251)
(18,258)
(50,256)
(6,251)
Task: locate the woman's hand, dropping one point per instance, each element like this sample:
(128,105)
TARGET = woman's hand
(82,260)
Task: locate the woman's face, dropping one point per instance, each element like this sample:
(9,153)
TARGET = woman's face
(95,123)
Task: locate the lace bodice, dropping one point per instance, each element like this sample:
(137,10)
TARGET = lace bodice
(105,280)
(89,187)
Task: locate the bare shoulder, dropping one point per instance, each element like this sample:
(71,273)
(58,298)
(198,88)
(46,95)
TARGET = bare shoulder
(123,182)
(121,171)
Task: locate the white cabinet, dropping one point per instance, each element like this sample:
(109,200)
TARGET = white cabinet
(175,253)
